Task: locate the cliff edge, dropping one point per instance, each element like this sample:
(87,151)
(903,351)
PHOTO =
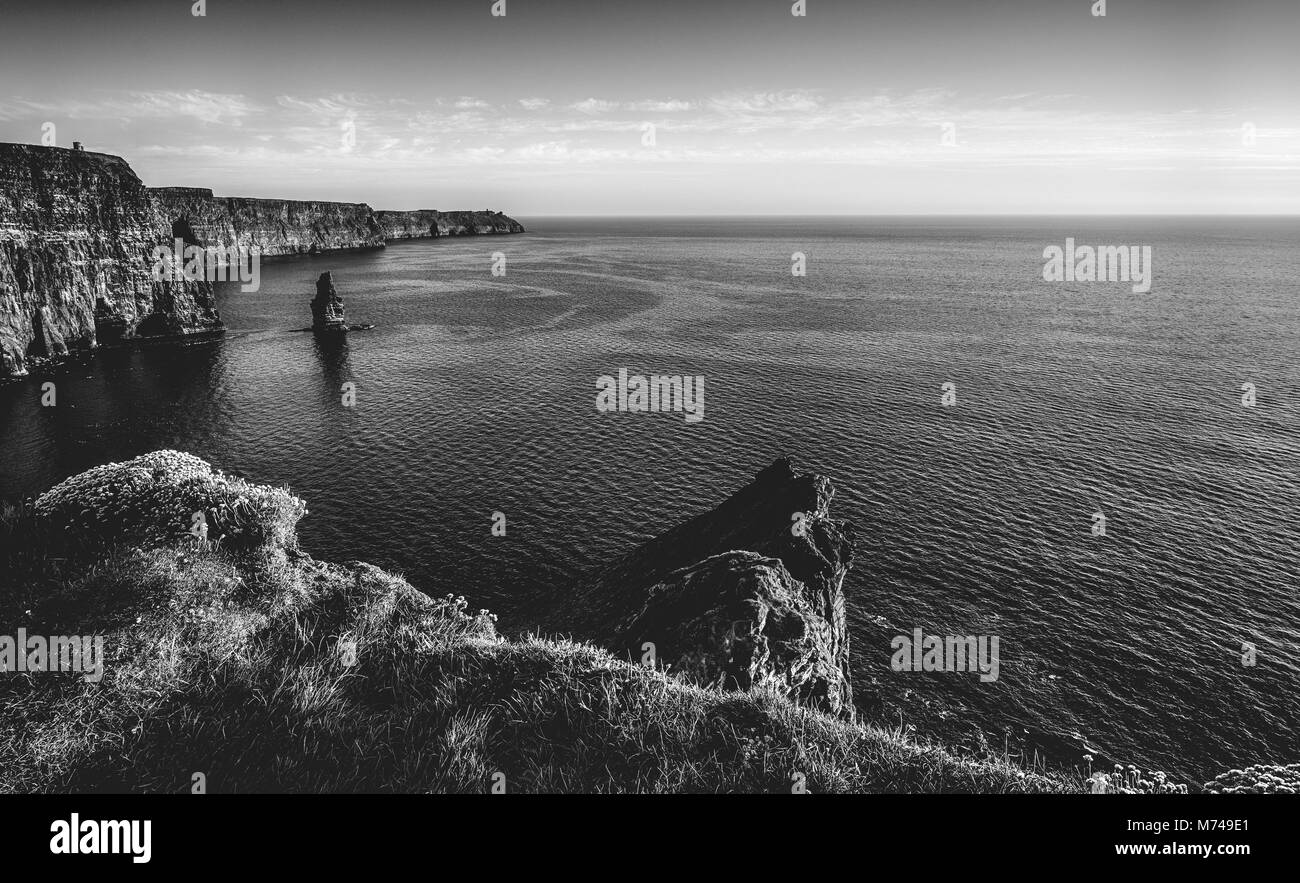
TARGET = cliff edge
(747,595)
(77,231)
(227,649)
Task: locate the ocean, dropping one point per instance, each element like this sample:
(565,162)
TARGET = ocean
(475,394)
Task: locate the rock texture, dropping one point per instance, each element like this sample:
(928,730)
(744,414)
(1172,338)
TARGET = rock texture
(77,232)
(327,306)
(287,227)
(737,596)
(431,222)
(740,621)
(275,226)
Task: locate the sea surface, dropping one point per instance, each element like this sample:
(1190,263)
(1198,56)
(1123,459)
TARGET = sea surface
(476,394)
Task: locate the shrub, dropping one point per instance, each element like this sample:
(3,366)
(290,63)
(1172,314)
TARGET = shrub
(1258,779)
(167,497)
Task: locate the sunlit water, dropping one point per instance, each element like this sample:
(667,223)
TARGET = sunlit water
(476,393)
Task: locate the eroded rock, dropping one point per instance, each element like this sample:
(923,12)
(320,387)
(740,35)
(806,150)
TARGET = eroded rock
(327,307)
(771,555)
(77,234)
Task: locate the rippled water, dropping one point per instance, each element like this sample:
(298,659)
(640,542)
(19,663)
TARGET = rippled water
(476,394)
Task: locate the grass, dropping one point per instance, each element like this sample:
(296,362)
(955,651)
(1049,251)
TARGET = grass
(267,670)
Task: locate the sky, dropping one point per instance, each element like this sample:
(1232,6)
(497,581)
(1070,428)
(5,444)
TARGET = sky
(645,107)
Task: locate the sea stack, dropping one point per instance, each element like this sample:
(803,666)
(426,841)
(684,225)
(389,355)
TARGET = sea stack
(327,306)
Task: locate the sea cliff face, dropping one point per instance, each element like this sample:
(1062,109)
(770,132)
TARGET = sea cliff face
(274,226)
(427,222)
(77,231)
(286,227)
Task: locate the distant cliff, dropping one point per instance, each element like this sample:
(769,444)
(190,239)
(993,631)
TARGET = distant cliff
(76,233)
(275,226)
(286,226)
(431,222)
(78,229)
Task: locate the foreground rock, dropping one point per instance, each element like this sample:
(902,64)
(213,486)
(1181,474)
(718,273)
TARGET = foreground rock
(77,235)
(739,621)
(748,595)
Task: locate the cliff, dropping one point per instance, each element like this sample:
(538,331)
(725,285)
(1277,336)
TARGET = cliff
(275,226)
(431,222)
(77,231)
(286,226)
(744,596)
(226,648)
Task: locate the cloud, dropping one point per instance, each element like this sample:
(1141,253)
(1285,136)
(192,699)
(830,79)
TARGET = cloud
(792,127)
(194,104)
(595,105)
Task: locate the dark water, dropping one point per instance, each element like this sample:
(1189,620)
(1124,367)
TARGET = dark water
(476,394)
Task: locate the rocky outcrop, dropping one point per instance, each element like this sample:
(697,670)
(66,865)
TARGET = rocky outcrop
(740,621)
(77,233)
(274,226)
(327,306)
(431,223)
(747,595)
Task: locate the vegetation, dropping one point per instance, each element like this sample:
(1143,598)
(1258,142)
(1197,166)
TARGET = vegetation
(266,670)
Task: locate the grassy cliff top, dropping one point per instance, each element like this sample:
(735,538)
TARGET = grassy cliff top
(241,657)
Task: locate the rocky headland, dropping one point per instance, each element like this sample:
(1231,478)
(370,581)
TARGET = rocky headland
(78,230)
(713,658)
(431,223)
(749,594)
(229,649)
(76,233)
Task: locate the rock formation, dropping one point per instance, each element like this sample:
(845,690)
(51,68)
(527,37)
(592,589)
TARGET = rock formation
(430,222)
(78,230)
(748,595)
(287,227)
(77,233)
(274,226)
(327,306)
